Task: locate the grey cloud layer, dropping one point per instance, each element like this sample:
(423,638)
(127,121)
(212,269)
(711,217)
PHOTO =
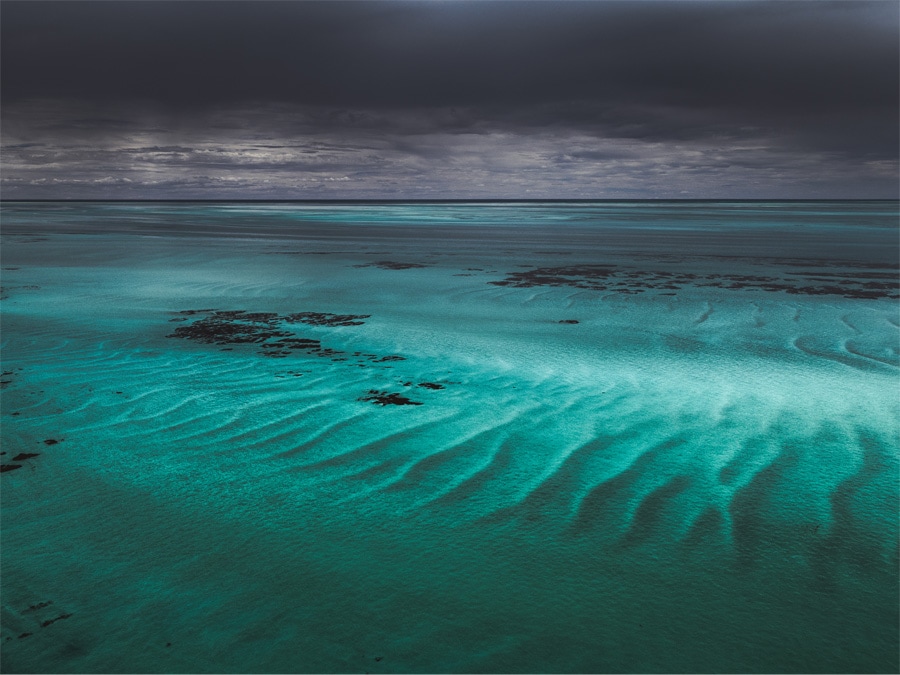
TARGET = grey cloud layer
(420,99)
(285,152)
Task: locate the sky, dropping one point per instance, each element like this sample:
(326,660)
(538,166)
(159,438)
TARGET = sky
(452,99)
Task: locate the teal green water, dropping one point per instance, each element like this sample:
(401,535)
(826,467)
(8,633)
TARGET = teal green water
(696,471)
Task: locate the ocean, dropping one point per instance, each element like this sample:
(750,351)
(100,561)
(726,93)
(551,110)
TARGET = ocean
(450,437)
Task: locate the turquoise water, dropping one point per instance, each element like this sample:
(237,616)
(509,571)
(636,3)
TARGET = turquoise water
(650,437)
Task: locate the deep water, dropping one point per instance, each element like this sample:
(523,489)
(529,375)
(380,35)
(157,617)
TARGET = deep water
(592,437)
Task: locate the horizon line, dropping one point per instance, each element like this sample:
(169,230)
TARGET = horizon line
(479,200)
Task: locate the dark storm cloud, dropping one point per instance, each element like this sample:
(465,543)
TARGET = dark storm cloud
(570,96)
(785,55)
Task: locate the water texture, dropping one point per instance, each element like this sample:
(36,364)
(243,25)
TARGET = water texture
(492,437)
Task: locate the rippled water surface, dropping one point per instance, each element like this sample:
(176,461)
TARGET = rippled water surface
(606,437)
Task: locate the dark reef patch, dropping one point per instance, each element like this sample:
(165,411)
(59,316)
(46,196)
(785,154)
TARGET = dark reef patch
(571,321)
(847,284)
(232,327)
(430,385)
(326,319)
(39,605)
(301,252)
(386,398)
(391,265)
(46,623)
(592,277)
(9,467)
(273,334)
(22,456)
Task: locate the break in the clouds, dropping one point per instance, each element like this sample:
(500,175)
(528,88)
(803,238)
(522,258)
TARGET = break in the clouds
(449,100)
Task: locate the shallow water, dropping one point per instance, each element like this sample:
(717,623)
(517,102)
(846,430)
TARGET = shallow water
(652,437)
